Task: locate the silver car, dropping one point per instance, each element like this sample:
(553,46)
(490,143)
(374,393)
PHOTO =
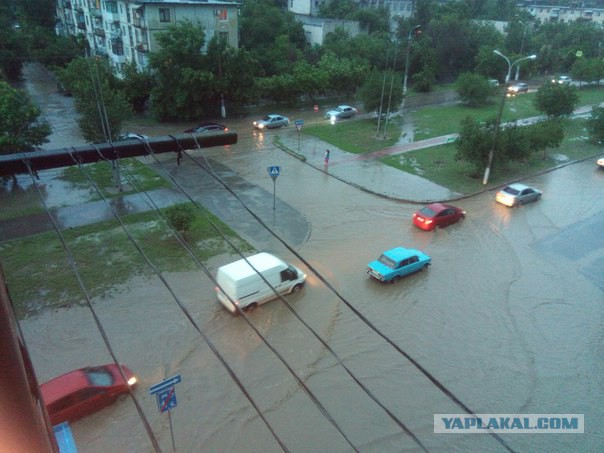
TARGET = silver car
(272,121)
(341,111)
(517,194)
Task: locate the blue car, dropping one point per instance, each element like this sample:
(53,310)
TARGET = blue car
(398,262)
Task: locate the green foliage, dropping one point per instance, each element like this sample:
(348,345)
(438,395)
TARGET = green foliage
(546,134)
(52,50)
(588,69)
(595,125)
(136,85)
(373,20)
(473,144)
(12,49)
(338,9)
(181,217)
(474,89)
(344,75)
(21,129)
(183,84)
(98,98)
(556,100)
(376,91)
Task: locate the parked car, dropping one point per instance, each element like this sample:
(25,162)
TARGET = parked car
(436,215)
(81,392)
(562,80)
(272,121)
(517,194)
(207,127)
(396,263)
(341,111)
(132,136)
(518,87)
(600,162)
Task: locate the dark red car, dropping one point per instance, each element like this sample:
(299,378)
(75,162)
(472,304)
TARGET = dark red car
(437,215)
(81,392)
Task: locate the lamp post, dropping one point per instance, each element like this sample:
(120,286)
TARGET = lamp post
(521,47)
(409,38)
(487,172)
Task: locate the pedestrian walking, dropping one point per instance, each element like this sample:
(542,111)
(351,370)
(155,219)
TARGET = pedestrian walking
(326,158)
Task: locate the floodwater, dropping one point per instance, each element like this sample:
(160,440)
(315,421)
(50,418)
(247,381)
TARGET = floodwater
(508,320)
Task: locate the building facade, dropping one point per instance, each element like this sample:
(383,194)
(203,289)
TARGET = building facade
(551,13)
(126,31)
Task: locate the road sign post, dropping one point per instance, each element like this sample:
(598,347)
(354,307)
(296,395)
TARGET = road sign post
(166,399)
(274,172)
(299,124)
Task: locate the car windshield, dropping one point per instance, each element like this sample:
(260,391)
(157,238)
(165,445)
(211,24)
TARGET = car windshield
(99,377)
(387,261)
(511,191)
(427,212)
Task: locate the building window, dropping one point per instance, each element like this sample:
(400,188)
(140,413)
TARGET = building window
(164,15)
(221,14)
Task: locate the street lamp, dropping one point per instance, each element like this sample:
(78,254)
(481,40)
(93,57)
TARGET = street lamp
(409,38)
(521,47)
(485,180)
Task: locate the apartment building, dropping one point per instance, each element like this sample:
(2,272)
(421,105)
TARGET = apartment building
(551,13)
(126,31)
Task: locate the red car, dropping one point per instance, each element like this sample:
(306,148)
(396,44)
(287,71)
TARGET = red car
(437,215)
(81,392)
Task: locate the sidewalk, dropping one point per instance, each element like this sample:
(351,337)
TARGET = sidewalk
(366,172)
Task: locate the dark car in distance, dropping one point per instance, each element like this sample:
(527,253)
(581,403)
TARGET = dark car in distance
(207,127)
(436,215)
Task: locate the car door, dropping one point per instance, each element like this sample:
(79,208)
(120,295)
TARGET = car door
(444,217)
(413,264)
(527,195)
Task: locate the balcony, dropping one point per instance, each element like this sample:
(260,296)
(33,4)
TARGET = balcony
(139,22)
(95,12)
(81,25)
(99,32)
(142,47)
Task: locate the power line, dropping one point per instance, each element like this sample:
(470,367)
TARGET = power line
(97,321)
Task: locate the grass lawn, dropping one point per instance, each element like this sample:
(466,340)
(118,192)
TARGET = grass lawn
(39,276)
(357,136)
(142,176)
(443,120)
(438,164)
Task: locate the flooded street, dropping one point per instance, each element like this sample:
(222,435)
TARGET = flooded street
(508,320)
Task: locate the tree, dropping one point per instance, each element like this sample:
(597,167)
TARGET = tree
(473,144)
(98,98)
(344,75)
(595,125)
(473,89)
(21,128)
(183,84)
(137,85)
(375,91)
(556,100)
(181,217)
(545,134)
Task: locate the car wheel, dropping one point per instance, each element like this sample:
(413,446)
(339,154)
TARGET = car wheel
(395,279)
(425,268)
(250,307)
(297,288)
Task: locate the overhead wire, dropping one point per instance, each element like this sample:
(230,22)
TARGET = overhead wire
(392,416)
(99,325)
(185,311)
(435,381)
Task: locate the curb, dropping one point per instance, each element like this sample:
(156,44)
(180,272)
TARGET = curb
(277,142)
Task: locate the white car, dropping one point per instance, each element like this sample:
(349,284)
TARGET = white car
(341,111)
(272,121)
(517,194)
(563,80)
(600,162)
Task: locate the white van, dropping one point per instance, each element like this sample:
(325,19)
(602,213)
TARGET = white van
(244,285)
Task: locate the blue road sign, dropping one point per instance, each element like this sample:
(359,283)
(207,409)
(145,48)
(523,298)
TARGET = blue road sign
(299,124)
(165,384)
(166,400)
(274,171)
